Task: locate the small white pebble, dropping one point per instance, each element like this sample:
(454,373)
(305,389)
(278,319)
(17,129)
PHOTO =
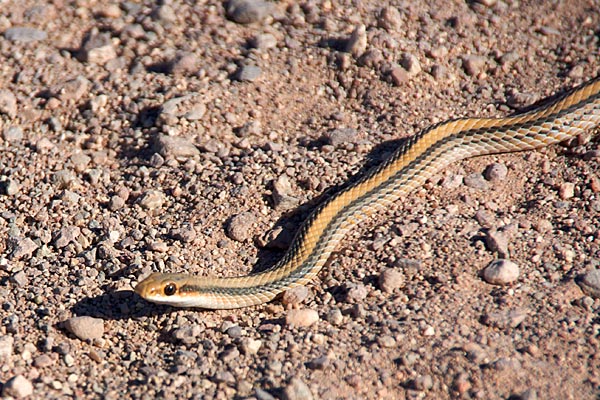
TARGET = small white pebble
(501,272)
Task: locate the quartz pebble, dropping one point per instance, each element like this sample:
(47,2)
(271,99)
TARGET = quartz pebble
(302,317)
(18,387)
(85,328)
(501,272)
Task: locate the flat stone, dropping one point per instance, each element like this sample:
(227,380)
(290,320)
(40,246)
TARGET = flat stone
(6,348)
(152,200)
(295,295)
(85,328)
(302,317)
(248,73)
(179,148)
(248,11)
(24,34)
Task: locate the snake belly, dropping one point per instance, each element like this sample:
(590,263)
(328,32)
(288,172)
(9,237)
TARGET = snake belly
(416,160)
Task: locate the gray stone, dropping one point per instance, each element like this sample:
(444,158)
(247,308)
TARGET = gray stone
(248,73)
(24,34)
(248,11)
(357,43)
(590,283)
(297,390)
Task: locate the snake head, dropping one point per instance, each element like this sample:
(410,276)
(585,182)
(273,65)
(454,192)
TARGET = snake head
(160,288)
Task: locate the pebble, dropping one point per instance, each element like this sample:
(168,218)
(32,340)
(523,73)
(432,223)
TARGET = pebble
(24,34)
(302,317)
(248,73)
(13,134)
(85,328)
(188,334)
(473,65)
(501,272)
(390,19)
(248,11)
(487,3)
(319,363)
(250,346)
(8,106)
(97,49)
(175,147)
(357,43)
(475,181)
(6,347)
(410,63)
(391,279)
(398,75)
(74,90)
(386,341)
(23,248)
(43,361)
(80,161)
(263,394)
(529,394)
(152,199)
(335,317)
(341,136)
(505,319)
(590,283)
(543,226)
(355,292)
(63,179)
(184,63)
(165,13)
(495,172)
(17,387)
(263,41)
(283,198)
(485,218)
(295,295)
(239,227)
(297,390)
(566,190)
(497,241)
(423,383)
(20,279)
(66,235)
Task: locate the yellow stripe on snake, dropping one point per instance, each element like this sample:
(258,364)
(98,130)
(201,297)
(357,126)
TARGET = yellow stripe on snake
(415,161)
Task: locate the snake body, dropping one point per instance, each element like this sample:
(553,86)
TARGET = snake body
(415,161)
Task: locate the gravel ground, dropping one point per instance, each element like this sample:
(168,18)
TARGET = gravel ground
(196,136)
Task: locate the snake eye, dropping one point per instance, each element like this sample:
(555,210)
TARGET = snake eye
(170,289)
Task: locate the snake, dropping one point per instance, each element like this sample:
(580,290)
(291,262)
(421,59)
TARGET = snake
(417,159)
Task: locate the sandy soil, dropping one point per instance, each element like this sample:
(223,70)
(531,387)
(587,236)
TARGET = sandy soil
(270,114)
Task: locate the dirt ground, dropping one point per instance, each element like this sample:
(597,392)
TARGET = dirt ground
(196,136)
